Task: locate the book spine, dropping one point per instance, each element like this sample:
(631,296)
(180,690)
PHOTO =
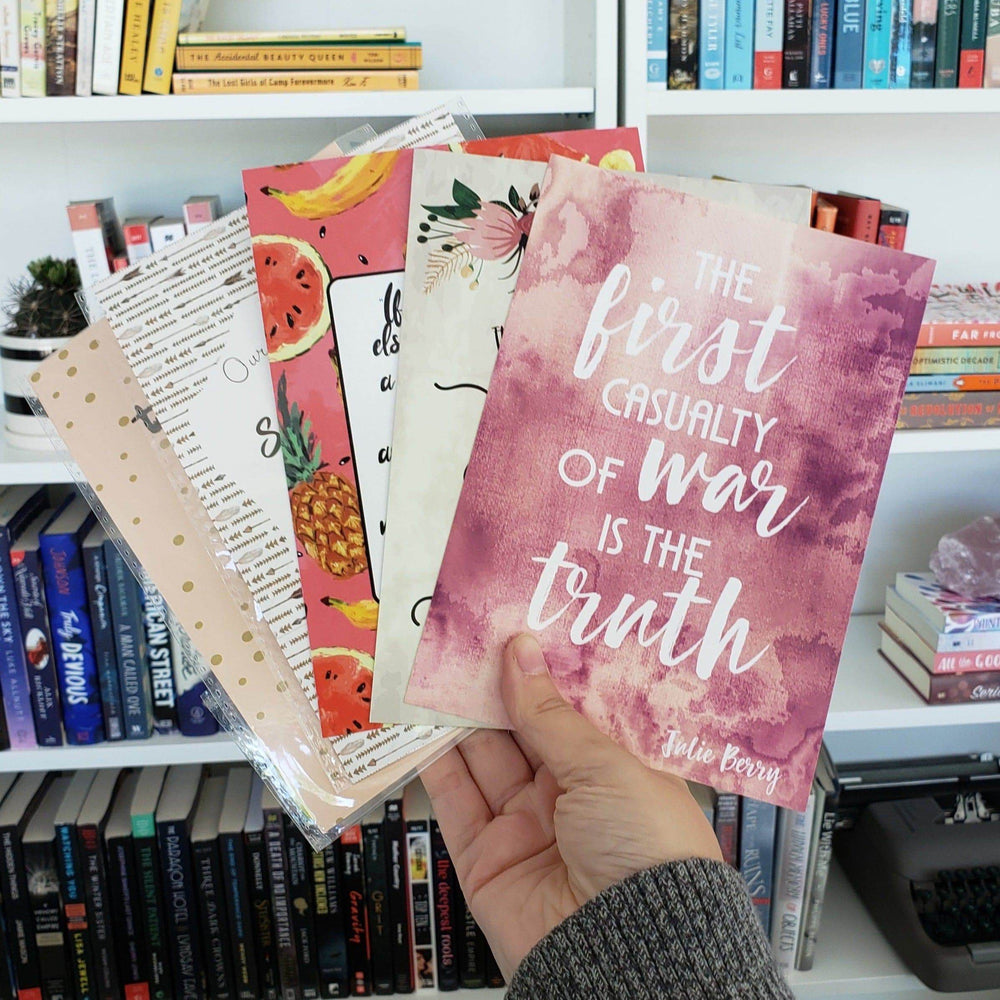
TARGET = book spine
(376,886)
(292,82)
(418,853)
(95,877)
(472,951)
(60,47)
(948,39)
(124,894)
(959,335)
(159,658)
(260,899)
(10,59)
(656,44)
(955,361)
(972,45)
(300,891)
(108,25)
(953,383)
(963,689)
(892,225)
(445,890)
(349,58)
(757,855)
(153,913)
(135,31)
(274,840)
(494,977)
(991,69)
(4,735)
(8,987)
(104,641)
(902,47)
(240,918)
(849,48)
(66,595)
(355,913)
(33,617)
(212,924)
(769,31)
(81,960)
(948,409)
(394,832)
(33,75)
(50,940)
(924,47)
(878,43)
(162,45)
(14,682)
(711,45)
(331,940)
(183,933)
(817,891)
(193,717)
(86,13)
(795,70)
(727,830)
(17,913)
(821,53)
(738,60)
(126,614)
(682,45)
(791,861)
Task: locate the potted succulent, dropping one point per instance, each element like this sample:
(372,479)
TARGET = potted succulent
(44,316)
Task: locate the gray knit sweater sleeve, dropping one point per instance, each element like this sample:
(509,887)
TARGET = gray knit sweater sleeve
(684,930)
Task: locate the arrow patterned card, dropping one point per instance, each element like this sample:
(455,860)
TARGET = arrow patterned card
(674,476)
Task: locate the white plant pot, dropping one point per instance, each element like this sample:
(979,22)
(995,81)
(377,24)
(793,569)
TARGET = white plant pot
(19,357)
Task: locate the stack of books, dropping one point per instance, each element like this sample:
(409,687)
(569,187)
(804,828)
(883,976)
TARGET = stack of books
(955,378)
(264,62)
(798,44)
(862,218)
(946,646)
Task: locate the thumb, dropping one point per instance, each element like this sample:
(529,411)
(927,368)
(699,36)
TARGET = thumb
(575,752)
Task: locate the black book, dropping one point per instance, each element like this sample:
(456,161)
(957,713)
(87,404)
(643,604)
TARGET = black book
(8,988)
(398,890)
(472,949)
(445,889)
(417,810)
(331,939)
(174,813)
(281,907)
(377,899)
(42,868)
(682,45)
(4,733)
(71,884)
(260,894)
(494,977)
(125,895)
(923,45)
(214,925)
(352,887)
(235,882)
(797,48)
(300,893)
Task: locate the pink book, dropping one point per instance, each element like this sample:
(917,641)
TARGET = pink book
(674,477)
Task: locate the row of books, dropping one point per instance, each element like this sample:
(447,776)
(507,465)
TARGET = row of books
(944,645)
(798,44)
(87,652)
(191,883)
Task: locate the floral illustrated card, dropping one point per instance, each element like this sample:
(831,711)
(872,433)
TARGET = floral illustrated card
(470,219)
(674,476)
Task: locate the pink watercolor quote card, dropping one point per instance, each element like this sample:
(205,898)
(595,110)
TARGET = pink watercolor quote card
(674,477)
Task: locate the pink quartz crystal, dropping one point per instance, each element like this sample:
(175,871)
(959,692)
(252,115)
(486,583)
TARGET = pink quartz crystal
(968,560)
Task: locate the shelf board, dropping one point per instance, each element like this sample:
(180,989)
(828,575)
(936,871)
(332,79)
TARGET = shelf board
(671,103)
(936,442)
(241,107)
(869,695)
(20,466)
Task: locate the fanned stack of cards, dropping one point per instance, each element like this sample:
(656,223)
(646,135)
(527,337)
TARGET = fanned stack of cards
(512,385)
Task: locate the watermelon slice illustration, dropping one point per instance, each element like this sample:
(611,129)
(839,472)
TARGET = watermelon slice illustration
(292,281)
(344,680)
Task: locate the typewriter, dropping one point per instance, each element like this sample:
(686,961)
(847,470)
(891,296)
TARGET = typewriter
(928,869)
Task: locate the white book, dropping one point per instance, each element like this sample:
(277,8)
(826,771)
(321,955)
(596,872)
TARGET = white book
(32,48)
(138,237)
(769,34)
(791,866)
(10,49)
(86,17)
(166,231)
(108,25)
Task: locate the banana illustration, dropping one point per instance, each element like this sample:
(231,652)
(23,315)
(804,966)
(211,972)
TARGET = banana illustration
(361,614)
(355,181)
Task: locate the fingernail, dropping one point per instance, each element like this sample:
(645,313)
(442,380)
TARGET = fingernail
(529,656)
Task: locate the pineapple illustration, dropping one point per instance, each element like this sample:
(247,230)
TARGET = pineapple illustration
(325,514)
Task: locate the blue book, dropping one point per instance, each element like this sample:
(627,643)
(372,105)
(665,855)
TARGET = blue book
(712,44)
(821,56)
(104,632)
(739,44)
(849,46)
(193,718)
(29,586)
(901,57)
(878,43)
(18,506)
(130,645)
(656,44)
(66,593)
(159,658)
(757,833)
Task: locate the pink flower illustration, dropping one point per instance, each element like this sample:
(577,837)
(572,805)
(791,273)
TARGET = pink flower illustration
(495,233)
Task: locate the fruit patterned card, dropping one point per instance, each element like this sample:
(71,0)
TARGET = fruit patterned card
(674,477)
(470,219)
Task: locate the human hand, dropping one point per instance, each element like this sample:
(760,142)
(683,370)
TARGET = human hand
(541,820)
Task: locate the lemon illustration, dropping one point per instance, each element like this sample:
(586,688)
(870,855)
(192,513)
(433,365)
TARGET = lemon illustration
(618,159)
